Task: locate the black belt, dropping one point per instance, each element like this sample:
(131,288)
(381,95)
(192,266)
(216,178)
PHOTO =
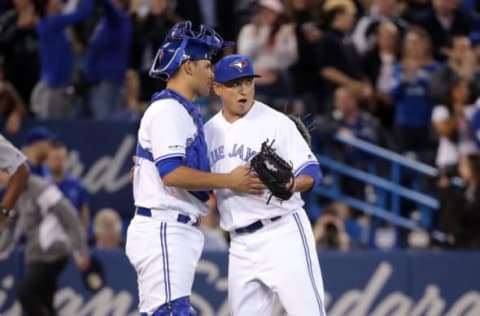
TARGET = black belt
(253,227)
(181,218)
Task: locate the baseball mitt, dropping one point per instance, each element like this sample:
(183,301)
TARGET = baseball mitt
(302,129)
(275,173)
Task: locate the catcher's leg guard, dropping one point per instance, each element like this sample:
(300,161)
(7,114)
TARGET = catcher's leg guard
(179,307)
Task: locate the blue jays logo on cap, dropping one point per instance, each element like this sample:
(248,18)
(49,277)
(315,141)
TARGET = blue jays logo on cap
(240,64)
(233,67)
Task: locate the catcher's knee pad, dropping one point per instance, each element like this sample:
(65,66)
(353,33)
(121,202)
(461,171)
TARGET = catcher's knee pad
(179,307)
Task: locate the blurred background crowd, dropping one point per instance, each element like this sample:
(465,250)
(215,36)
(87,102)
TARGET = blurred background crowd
(401,74)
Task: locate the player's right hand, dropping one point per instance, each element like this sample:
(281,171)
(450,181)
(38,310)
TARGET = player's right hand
(244,181)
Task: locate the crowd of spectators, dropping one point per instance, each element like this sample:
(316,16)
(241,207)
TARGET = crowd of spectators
(402,74)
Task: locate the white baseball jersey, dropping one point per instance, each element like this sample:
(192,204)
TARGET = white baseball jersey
(165,131)
(10,157)
(234,144)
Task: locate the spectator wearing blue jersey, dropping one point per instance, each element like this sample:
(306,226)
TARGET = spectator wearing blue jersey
(71,187)
(107,59)
(37,144)
(410,93)
(50,97)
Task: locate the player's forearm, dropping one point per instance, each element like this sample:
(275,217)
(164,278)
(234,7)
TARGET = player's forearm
(15,186)
(336,76)
(303,183)
(68,218)
(193,179)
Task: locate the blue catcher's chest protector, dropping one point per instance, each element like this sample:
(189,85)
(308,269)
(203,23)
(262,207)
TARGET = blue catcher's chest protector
(196,156)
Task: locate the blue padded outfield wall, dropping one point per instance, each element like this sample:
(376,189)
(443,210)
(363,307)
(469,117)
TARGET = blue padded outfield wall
(357,283)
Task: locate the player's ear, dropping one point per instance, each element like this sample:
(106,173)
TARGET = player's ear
(187,67)
(217,88)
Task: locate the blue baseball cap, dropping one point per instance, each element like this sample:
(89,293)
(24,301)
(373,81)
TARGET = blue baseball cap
(36,134)
(233,67)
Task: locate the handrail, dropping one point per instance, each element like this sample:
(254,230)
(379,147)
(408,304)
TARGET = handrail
(370,209)
(386,154)
(379,212)
(393,186)
(392,156)
(379,182)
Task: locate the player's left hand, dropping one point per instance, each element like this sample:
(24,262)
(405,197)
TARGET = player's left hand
(244,181)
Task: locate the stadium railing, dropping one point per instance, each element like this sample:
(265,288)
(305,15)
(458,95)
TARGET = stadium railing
(400,179)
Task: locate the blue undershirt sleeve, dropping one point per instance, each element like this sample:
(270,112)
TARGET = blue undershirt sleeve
(167,165)
(312,170)
(63,20)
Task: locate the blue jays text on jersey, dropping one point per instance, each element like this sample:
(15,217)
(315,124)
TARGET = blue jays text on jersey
(241,151)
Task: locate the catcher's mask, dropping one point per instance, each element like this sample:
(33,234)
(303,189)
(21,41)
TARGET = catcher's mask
(182,44)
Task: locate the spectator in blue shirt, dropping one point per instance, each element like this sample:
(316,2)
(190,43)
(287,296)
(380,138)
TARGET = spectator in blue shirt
(107,59)
(410,93)
(70,186)
(50,97)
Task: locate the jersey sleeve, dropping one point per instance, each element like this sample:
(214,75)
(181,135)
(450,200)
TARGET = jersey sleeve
(10,158)
(169,132)
(293,147)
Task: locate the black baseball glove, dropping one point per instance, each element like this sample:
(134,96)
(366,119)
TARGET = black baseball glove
(302,129)
(275,173)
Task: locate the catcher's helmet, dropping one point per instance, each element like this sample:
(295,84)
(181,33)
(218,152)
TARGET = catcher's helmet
(182,44)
